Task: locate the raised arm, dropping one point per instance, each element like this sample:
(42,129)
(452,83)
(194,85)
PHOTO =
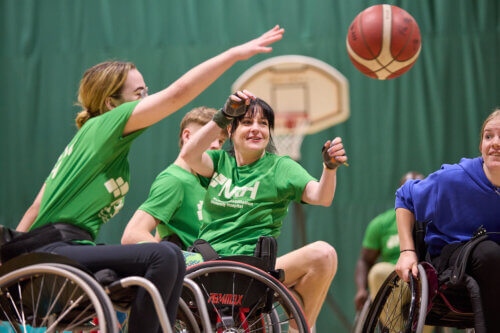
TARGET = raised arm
(193,151)
(157,106)
(408,258)
(322,192)
(32,213)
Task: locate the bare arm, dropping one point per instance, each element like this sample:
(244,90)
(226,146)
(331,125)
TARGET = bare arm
(366,260)
(322,192)
(407,260)
(139,228)
(157,106)
(193,151)
(32,213)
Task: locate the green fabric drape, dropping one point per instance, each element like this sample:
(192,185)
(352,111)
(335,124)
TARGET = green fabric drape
(429,116)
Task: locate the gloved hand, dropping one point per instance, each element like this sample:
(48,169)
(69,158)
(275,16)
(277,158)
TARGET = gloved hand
(333,154)
(235,106)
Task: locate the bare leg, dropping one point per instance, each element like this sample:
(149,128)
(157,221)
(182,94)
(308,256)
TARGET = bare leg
(309,271)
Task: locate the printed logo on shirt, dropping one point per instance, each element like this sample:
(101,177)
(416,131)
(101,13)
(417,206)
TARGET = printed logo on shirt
(118,187)
(200,210)
(236,191)
(392,242)
(108,212)
(67,151)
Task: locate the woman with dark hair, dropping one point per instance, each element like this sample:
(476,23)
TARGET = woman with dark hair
(88,183)
(248,193)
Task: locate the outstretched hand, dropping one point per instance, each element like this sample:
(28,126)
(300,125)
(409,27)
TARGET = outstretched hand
(333,153)
(259,44)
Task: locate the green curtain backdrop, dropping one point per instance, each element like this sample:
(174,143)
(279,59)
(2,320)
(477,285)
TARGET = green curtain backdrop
(429,116)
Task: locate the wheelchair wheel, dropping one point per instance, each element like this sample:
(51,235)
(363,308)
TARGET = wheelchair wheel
(55,298)
(242,298)
(398,306)
(185,321)
(360,318)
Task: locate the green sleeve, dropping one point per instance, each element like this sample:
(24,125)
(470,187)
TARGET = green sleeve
(165,197)
(291,178)
(215,155)
(372,236)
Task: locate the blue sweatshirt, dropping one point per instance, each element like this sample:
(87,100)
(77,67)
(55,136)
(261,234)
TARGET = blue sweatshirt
(455,201)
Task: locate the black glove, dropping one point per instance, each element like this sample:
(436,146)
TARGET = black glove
(330,162)
(231,109)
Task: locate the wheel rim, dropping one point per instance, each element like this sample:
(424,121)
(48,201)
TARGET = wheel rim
(395,307)
(236,307)
(50,297)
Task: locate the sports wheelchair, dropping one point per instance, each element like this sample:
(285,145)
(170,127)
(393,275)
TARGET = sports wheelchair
(243,294)
(450,299)
(50,293)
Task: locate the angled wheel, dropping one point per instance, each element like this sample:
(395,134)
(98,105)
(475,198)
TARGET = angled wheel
(54,298)
(360,318)
(242,298)
(398,306)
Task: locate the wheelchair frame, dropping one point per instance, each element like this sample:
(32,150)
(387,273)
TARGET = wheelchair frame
(235,307)
(429,300)
(58,288)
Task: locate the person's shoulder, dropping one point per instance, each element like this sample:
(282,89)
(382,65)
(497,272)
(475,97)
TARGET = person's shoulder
(386,217)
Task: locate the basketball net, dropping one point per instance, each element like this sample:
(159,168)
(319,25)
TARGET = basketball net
(289,136)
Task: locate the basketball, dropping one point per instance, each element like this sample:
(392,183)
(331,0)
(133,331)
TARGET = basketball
(383,41)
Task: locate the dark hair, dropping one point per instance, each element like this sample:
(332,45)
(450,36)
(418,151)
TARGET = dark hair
(256,105)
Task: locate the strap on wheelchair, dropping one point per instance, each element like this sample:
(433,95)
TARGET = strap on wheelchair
(204,248)
(458,271)
(455,275)
(39,237)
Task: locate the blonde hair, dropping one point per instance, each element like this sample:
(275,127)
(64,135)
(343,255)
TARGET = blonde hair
(494,114)
(98,83)
(200,115)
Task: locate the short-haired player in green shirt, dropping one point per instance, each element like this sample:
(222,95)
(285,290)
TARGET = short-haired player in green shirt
(88,183)
(174,205)
(248,193)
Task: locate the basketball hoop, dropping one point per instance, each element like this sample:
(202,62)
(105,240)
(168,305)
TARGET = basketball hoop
(292,127)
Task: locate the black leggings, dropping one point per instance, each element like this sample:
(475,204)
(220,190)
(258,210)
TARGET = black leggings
(484,267)
(161,263)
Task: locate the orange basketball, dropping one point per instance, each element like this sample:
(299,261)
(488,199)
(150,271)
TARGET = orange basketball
(383,41)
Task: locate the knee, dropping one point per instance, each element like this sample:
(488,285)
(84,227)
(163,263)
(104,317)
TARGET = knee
(167,258)
(486,255)
(323,257)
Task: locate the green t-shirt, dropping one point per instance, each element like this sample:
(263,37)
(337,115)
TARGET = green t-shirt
(244,203)
(176,199)
(382,235)
(88,183)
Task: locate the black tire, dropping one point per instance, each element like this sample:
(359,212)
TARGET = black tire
(55,298)
(249,299)
(396,307)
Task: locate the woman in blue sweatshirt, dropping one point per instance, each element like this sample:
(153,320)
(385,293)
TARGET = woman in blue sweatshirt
(455,201)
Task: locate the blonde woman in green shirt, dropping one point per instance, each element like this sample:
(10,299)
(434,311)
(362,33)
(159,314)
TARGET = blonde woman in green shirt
(248,193)
(88,183)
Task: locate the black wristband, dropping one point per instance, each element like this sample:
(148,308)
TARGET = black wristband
(405,250)
(221,119)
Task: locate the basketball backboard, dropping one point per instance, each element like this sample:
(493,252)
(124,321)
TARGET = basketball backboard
(307,94)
